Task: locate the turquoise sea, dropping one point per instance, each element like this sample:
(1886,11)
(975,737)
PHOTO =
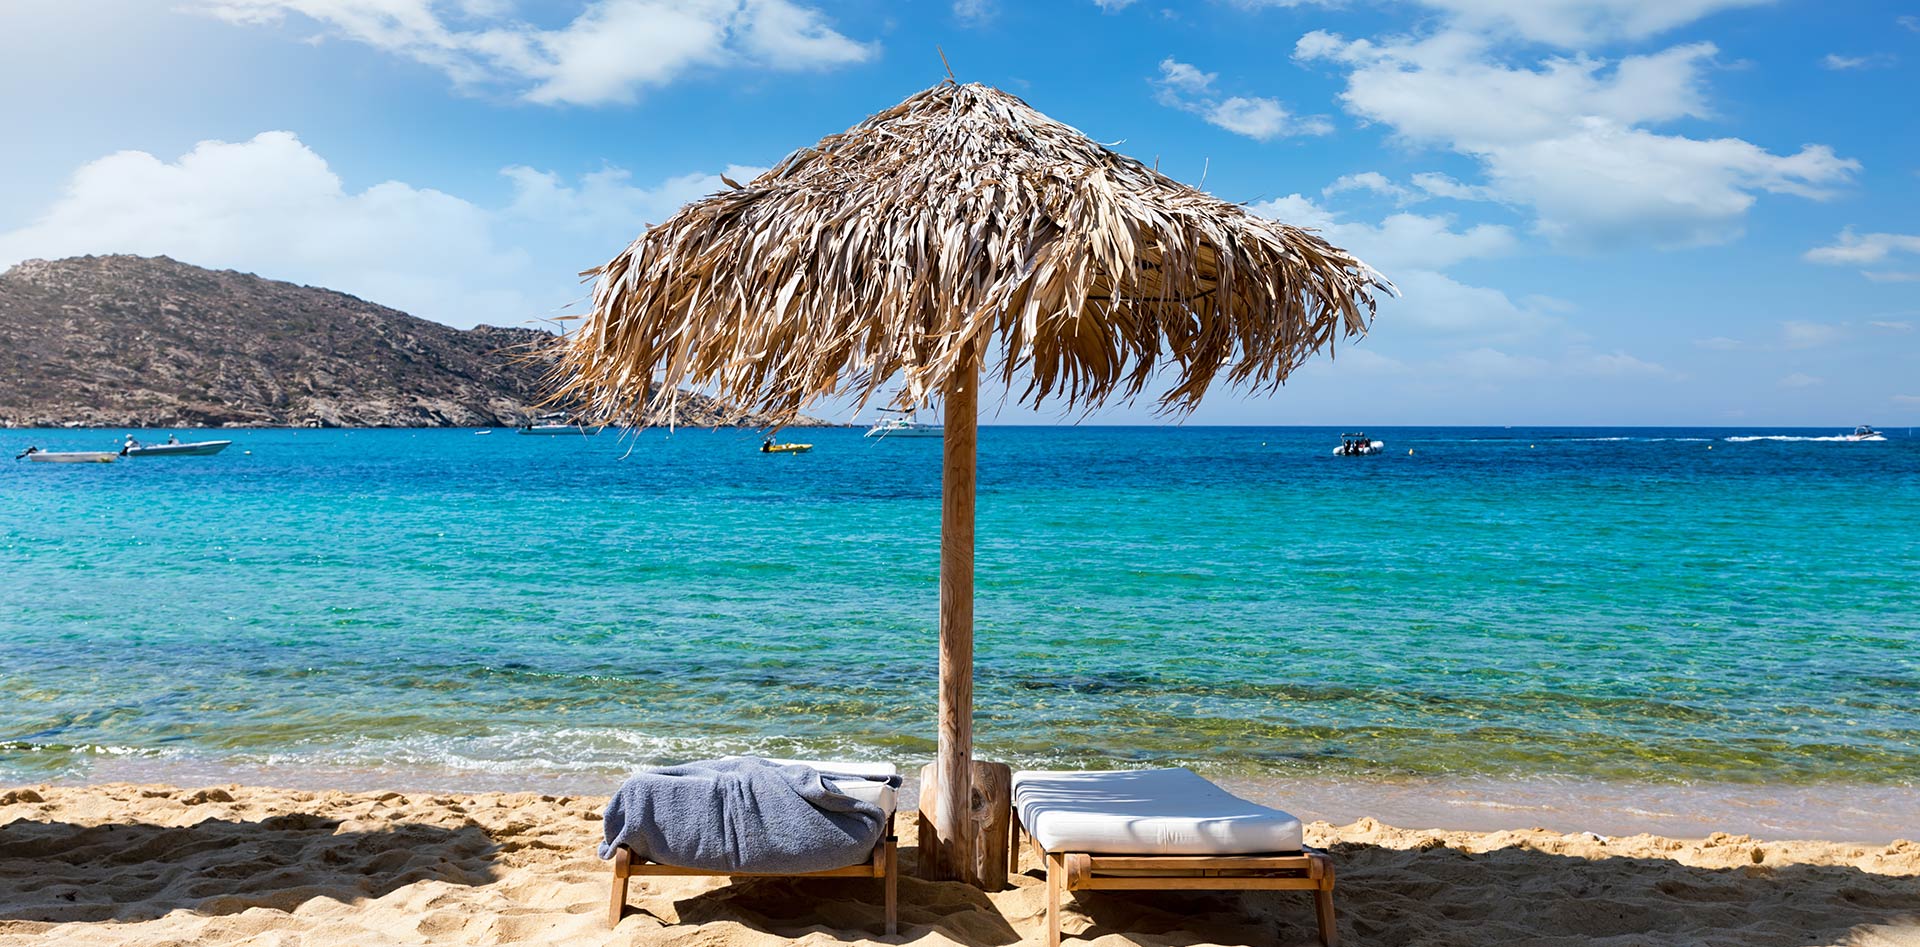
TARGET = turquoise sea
(1690,615)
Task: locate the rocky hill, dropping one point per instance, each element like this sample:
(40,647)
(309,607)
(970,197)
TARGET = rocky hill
(125,341)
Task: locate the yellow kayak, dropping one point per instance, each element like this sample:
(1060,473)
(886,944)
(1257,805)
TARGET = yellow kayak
(785,448)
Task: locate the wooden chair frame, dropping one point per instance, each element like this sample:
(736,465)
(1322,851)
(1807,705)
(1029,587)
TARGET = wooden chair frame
(884,864)
(1306,870)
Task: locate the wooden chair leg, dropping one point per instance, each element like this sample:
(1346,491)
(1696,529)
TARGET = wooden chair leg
(1013,847)
(1056,879)
(892,883)
(1323,906)
(617,904)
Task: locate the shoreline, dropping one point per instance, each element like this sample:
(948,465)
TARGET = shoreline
(144,865)
(1897,432)
(1865,814)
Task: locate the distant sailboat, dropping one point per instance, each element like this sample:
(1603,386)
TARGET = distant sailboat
(557,423)
(904,424)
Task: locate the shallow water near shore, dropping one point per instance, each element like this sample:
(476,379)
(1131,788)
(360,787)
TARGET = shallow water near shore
(1621,611)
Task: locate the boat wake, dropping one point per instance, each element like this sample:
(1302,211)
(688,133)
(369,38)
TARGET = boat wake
(1833,439)
(1650,440)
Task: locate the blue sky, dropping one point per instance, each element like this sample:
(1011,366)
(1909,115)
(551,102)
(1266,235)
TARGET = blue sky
(1599,211)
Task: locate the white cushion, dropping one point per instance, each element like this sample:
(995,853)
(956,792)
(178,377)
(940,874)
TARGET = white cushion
(1147,812)
(865,790)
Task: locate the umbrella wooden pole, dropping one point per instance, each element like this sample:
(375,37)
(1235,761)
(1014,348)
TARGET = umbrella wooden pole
(952,858)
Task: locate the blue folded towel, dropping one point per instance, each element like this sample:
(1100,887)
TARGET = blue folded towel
(743,814)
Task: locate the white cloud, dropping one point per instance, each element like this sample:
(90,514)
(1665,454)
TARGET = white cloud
(1372,181)
(1185,87)
(272,206)
(1448,88)
(1184,78)
(1422,241)
(1618,364)
(1489,363)
(1800,334)
(1401,241)
(1440,304)
(1565,136)
(1855,249)
(1906,399)
(1261,119)
(1297,210)
(1412,249)
(1486,324)
(1892,326)
(1354,360)
(1572,23)
(975,12)
(1606,185)
(1800,380)
(607,54)
(1546,303)
(1909,23)
(1440,185)
(605,203)
(1565,23)
(1113,6)
(1838,63)
(1719,343)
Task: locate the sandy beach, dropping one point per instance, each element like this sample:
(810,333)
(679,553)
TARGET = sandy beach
(151,865)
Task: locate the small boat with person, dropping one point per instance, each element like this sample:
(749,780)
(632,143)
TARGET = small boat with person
(768,446)
(38,456)
(1865,432)
(903,424)
(1358,445)
(172,448)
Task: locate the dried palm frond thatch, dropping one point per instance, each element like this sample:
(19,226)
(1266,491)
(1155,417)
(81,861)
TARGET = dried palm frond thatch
(958,223)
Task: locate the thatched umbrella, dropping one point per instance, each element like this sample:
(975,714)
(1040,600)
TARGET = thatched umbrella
(958,228)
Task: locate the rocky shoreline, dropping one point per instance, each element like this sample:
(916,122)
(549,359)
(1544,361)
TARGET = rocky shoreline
(139,342)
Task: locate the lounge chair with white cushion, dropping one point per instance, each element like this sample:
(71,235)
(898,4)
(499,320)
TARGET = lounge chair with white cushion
(1167,829)
(882,864)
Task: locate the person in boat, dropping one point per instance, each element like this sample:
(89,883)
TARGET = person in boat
(173,439)
(766,446)
(129,445)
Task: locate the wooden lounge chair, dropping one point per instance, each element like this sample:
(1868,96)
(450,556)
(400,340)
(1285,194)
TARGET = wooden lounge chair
(1164,829)
(883,863)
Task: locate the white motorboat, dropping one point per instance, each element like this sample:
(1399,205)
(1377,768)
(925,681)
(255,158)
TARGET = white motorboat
(1864,432)
(173,448)
(38,456)
(903,424)
(557,423)
(1358,445)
